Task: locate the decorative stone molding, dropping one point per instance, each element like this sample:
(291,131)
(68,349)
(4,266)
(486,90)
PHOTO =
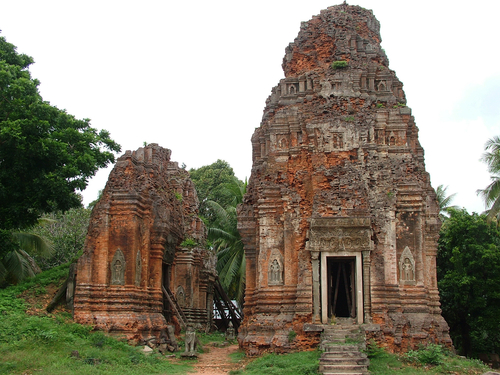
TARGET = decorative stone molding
(340,234)
(138,269)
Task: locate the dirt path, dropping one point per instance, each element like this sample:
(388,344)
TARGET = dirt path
(216,361)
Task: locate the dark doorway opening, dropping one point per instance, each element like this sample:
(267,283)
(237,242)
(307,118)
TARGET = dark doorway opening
(341,287)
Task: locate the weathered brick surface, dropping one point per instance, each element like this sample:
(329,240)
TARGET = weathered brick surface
(338,173)
(149,206)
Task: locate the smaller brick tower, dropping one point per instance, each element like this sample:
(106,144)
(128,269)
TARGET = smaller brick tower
(133,248)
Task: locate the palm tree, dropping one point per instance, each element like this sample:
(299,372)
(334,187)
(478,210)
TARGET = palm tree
(227,243)
(18,264)
(444,202)
(491,194)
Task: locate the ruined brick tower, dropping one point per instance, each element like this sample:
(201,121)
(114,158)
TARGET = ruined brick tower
(340,219)
(135,246)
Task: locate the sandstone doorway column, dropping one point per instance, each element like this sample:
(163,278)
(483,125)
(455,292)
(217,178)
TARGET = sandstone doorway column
(316,287)
(358,283)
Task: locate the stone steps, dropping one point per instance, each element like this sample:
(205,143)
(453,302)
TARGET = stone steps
(342,346)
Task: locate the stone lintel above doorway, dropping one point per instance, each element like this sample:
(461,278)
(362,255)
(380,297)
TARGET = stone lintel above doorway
(340,234)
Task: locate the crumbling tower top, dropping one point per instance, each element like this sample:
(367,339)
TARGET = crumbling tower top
(339,33)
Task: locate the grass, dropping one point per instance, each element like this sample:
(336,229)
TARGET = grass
(300,363)
(212,338)
(52,344)
(237,356)
(432,359)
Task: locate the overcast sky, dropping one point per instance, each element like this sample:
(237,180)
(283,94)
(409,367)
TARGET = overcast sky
(193,76)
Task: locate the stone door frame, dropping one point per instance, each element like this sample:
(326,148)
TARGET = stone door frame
(340,237)
(358,282)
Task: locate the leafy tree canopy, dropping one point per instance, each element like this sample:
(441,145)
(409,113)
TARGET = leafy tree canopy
(468,268)
(46,154)
(210,182)
(67,231)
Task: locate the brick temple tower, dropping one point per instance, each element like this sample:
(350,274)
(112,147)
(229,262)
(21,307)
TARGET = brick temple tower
(340,219)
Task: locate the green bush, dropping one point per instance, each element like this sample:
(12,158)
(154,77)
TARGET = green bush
(432,354)
(373,350)
(189,243)
(178,196)
(341,64)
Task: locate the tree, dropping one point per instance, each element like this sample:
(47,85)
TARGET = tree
(444,202)
(491,194)
(67,231)
(226,241)
(92,204)
(209,181)
(468,269)
(46,155)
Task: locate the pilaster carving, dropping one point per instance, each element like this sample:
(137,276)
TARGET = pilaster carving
(138,268)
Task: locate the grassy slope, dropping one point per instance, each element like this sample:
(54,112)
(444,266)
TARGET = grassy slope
(47,343)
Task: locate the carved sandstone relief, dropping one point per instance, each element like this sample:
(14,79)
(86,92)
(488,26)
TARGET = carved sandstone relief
(118,268)
(407,267)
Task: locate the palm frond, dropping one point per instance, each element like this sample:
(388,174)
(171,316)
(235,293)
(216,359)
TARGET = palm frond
(232,273)
(20,266)
(491,192)
(222,218)
(494,210)
(34,243)
(444,201)
(237,190)
(492,155)
(221,239)
(227,241)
